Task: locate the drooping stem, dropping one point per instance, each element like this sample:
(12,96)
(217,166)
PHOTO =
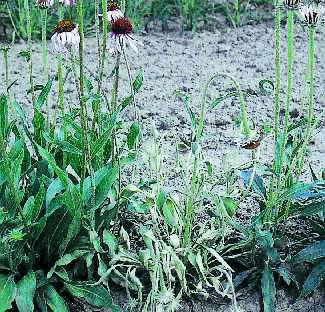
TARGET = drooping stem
(311,65)
(289,96)
(29,47)
(104,45)
(83,114)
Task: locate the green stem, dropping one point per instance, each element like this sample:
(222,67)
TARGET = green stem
(44,49)
(123,6)
(136,114)
(289,97)
(83,112)
(311,65)
(29,45)
(104,45)
(277,99)
(60,90)
(114,99)
(97,36)
(5,57)
(277,104)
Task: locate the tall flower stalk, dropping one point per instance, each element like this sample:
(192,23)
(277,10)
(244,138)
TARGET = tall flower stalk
(311,66)
(5,51)
(277,104)
(290,23)
(44,51)
(104,45)
(60,89)
(83,112)
(29,47)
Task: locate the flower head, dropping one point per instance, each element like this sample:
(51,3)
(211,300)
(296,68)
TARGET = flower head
(121,34)
(44,4)
(311,14)
(65,36)
(68,2)
(113,11)
(291,4)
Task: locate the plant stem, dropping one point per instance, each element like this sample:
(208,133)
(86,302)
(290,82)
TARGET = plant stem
(44,49)
(5,57)
(289,97)
(123,6)
(136,115)
(277,104)
(29,45)
(311,65)
(114,100)
(104,45)
(97,37)
(83,116)
(60,89)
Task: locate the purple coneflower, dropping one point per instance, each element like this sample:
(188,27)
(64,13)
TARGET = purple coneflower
(113,12)
(68,2)
(121,34)
(44,4)
(66,36)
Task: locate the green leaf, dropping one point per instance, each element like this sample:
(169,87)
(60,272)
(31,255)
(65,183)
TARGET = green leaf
(310,209)
(62,175)
(7,292)
(161,199)
(101,142)
(133,135)
(126,102)
(54,188)
(311,253)
(54,300)
(138,81)
(3,115)
(75,206)
(104,179)
(105,185)
(28,209)
(268,290)
(230,205)
(98,296)
(40,100)
(287,276)
(69,148)
(314,279)
(186,101)
(26,288)
(218,100)
(111,241)
(67,259)
(170,213)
